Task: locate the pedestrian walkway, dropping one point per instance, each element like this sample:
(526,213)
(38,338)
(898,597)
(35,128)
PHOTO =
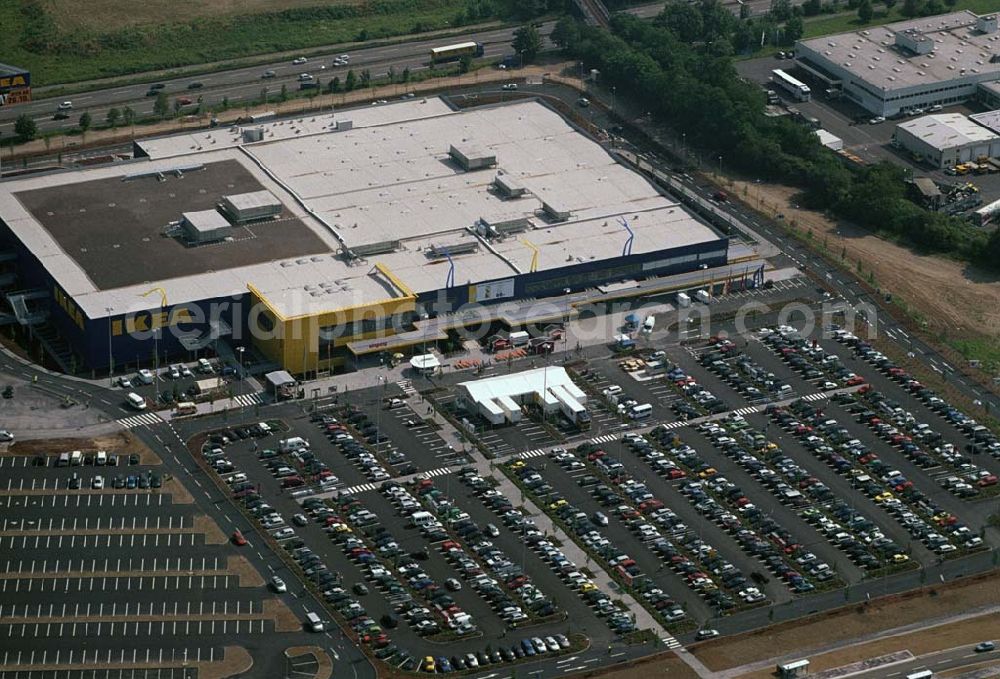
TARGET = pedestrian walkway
(407,387)
(140,420)
(247,400)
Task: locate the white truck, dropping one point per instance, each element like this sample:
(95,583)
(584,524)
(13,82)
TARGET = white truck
(702,296)
(683,300)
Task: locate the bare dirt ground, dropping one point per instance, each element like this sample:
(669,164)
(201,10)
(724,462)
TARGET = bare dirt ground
(324,667)
(107,15)
(117,443)
(851,623)
(950,295)
(179,495)
(248,575)
(235,660)
(213,535)
(938,638)
(284,619)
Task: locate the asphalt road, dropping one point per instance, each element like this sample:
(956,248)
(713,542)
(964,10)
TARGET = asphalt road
(247,83)
(951,659)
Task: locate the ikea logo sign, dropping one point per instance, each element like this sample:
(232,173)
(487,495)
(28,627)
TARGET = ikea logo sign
(20,80)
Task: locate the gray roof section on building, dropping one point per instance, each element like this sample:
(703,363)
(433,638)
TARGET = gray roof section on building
(990,119)
(947,131)
(870,54)
(7,69)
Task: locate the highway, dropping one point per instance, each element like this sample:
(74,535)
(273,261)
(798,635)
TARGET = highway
(247,83)
(951,659)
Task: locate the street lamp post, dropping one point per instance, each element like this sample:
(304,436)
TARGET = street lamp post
(111,359)
(239,351)
(720,166)
(613,99)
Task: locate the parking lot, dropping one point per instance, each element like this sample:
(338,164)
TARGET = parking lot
(123,572)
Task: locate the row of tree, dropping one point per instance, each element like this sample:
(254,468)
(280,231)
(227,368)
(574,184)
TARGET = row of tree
(680,68)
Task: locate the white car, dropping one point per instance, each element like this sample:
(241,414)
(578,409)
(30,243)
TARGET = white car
(66,106)
(6,436)
(97,483)
(305,77)
(278,584)
(145,376)
(706,634)
(185,371)
(124,382)
(509,86)
(175,372)
(299,60)
(876,120)
(345,57)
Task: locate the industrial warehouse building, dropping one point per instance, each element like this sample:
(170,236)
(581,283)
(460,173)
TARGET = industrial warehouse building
(919,63)
(499,399)
(945,140)
(329,232)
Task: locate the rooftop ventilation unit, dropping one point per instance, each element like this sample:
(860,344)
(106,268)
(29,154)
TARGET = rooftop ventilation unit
(508,186)
(379,248)
(556,212)
(471,158)
(986,24)
(914,41)
(205,226)
(436,251)
(250,207)
(252,134)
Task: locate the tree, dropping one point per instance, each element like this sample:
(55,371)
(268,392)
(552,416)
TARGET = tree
(527,42)
(366,78)
(465,63)
(813,7)
(128,115)
(911,8)
(114,115)
(177,106)
(781,10)
(85,121)
(406,74)
(283,95)
(794,29)
(335,84)
(263,95)
(161,106)
(25,127)
(391,74)
(566,32)
(351,80)
(744,10)
(889,4)
(865,11)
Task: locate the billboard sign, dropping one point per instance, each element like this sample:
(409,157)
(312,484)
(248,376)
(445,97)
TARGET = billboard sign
(15,86)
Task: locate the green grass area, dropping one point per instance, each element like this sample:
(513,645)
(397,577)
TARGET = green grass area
(985,349)
(54,55)
(848,21)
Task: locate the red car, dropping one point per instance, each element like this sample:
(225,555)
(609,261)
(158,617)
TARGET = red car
(238,538)
(855,381)
(184,101)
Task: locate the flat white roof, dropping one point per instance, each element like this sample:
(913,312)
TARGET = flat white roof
(990,119)
(206,220)
(516,385)
(947,131)
(870,54)
(390,180)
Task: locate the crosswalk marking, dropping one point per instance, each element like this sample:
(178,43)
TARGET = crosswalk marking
(607,438)
(670,642)
(407,387)
(361,488)
(248,399)
(538,452)
(140,420)
(814,397)
(747,411)
(440,471)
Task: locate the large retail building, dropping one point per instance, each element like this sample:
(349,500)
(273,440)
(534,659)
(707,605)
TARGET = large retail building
(914,64)
(303,237)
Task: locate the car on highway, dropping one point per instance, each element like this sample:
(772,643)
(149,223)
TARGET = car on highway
(60,115)
(195,85)
(238,538)
(509,86)
(268,74)
(985,647)
(876,120)
(65,106)
(184,101)
(278,585)
(299,60)
(706,634)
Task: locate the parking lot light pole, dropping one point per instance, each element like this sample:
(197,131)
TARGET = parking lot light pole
(239,352)
(111,359)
